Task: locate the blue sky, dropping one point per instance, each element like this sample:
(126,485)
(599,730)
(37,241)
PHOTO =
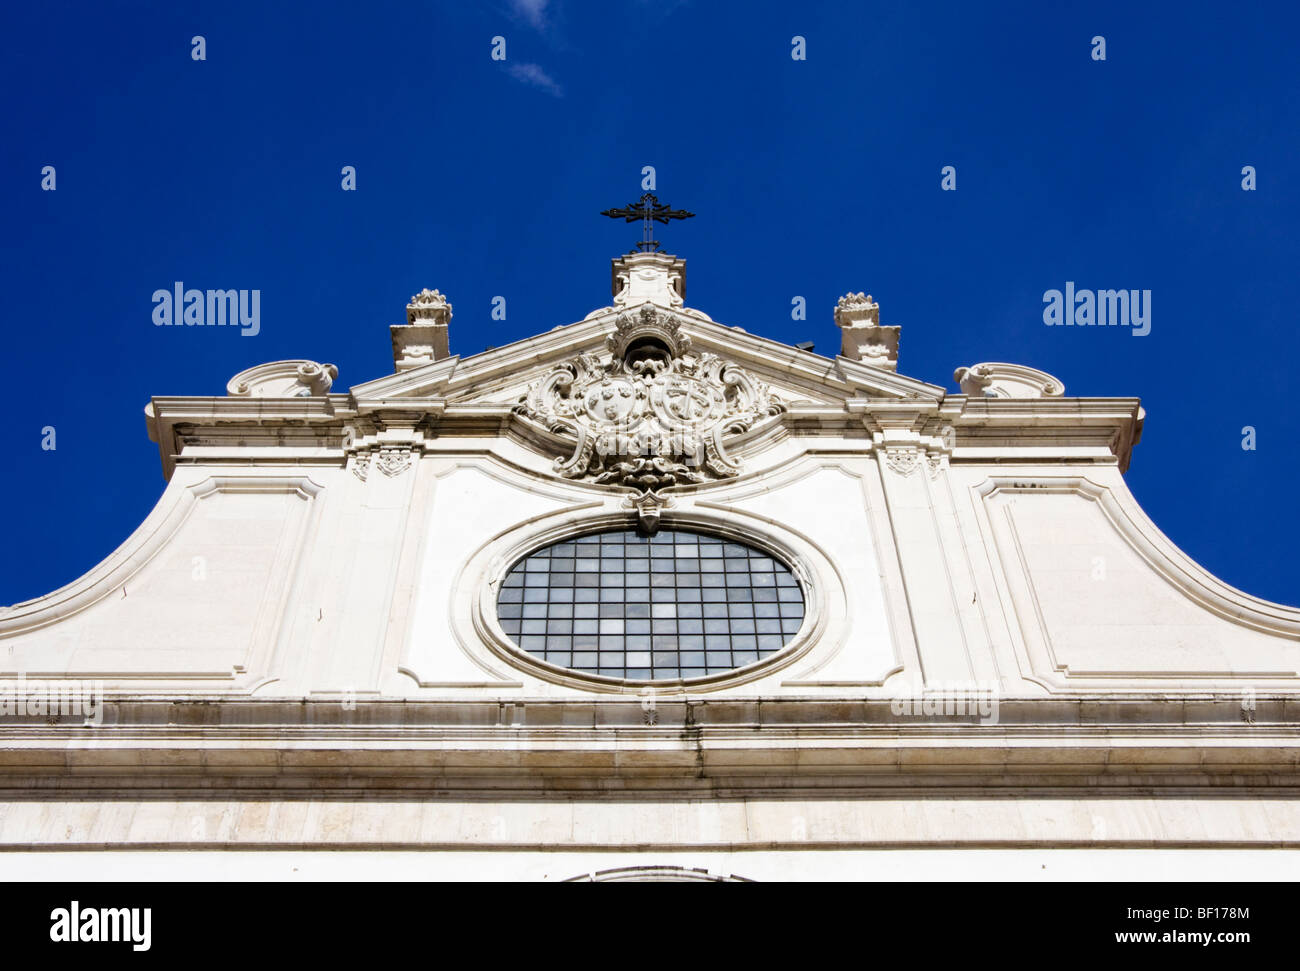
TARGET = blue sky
(810,178)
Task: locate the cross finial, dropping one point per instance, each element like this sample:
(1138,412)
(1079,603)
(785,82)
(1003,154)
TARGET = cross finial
(650,211)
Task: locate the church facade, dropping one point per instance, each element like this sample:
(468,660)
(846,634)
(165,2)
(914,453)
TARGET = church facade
(647,596)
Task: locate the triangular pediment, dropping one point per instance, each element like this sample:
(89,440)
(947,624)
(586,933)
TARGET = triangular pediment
(648,382)
(503,375)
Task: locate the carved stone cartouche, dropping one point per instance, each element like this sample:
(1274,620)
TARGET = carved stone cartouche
(653,414)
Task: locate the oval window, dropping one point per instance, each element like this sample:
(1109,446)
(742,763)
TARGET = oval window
(678,604)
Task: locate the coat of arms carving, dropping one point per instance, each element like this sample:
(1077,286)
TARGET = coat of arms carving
(653,414)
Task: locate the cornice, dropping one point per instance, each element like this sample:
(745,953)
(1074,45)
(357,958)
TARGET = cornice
(1144,742)
(1074,419)
(413,382)
(451,392)
(1057,409)
(864,377)
(312,430)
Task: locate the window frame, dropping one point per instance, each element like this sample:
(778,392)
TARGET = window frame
(478,634)
(621,628)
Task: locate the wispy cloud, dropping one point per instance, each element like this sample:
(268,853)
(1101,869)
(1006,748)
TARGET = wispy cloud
(532,11)
(534,75)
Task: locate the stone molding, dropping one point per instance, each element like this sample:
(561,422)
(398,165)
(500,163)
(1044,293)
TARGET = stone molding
(999,380)
(564,828)
(283,379)
(1137,530)
(114,575)
(295,747)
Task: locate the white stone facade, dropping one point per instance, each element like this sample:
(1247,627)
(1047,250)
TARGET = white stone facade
(299,647)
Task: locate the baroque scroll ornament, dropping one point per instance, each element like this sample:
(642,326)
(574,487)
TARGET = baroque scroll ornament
(654,414)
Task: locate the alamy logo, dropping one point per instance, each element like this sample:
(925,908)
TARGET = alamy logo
(21,697)
(947,699)
(74,925)
(1085,308)
(212,308)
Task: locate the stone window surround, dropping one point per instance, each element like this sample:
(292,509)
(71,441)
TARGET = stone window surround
(606,604)
(478,585)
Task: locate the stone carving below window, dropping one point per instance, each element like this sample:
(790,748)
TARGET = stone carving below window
(652,415)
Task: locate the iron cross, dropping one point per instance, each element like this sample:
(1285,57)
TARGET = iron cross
(650,211)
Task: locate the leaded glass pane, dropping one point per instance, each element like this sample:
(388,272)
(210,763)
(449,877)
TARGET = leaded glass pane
(679,604)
